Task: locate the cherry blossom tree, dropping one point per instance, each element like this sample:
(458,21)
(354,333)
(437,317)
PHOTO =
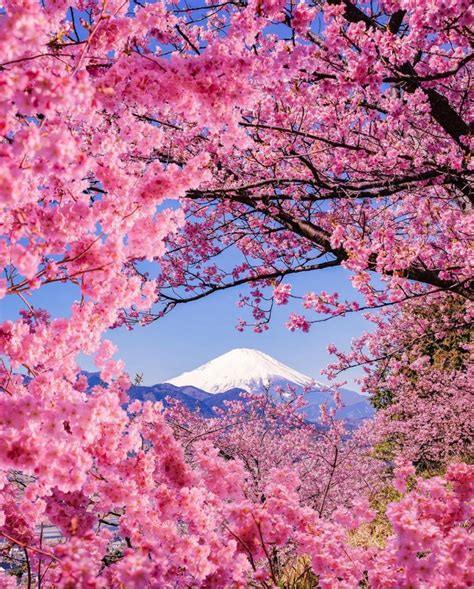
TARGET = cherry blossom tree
(302,135)
(358,157)
(418,371)
(267,431)
(83,190)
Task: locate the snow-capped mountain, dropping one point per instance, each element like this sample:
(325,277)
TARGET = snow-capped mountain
(223,379)
(242,368)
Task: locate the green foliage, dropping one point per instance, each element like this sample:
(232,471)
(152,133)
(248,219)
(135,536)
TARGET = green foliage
(298,575)
(381,398)
(385,451)
(376,532)
(447,352)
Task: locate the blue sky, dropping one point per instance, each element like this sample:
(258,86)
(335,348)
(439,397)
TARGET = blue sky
(197,332)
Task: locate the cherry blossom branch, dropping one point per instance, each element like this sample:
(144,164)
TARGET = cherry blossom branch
(25,545)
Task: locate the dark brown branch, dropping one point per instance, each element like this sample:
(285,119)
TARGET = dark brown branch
(442,112)
(396,20)
(187,39)
(22,59)
(446,116)
(218,192)
(352,13)
(28,568)
(344,191)
(307,135)
(431,78)
(173,301)
(321,239)
(154,120)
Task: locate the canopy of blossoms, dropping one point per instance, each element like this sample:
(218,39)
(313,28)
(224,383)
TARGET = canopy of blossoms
(303,136)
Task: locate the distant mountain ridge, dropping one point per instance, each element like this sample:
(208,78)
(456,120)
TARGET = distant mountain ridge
(227,376)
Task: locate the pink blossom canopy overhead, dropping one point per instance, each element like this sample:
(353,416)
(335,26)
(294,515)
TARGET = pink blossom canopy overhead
(301,136)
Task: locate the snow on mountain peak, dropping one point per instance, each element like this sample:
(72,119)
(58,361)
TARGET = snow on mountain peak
(242,368)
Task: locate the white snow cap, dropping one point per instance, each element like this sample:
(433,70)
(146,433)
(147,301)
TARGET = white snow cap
(242,368)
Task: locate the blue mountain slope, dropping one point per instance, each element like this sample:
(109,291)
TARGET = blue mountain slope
(219,399)
(356,406)
(357,411)
(159,393)
(191,397)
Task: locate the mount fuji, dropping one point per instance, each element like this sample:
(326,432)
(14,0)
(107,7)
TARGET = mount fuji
(245,369)
(224,378)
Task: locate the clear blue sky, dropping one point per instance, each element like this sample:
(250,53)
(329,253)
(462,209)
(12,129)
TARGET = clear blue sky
(197,332)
